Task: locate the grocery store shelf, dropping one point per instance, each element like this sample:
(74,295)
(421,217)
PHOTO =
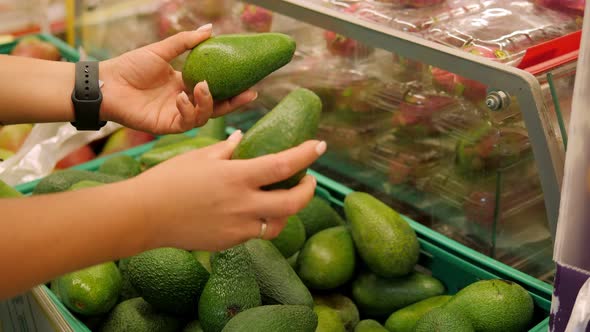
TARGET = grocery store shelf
(518,83)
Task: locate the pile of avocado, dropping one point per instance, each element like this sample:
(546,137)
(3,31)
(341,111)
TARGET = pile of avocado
(323,273)
(326,271)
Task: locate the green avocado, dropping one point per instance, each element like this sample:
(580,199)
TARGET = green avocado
(135,315)
(170,279)
(214,128)
(291,238)
(404,320)
(385,241)
(231,289)
(275,318)
(440,319)
(369,325)
(379,297)
(319,215)
(63,180)
(328,259)
(278,283)
(231,64)
(91,291)
(7,191)
(121,165)
(293,121)
(494,305)
(155,156)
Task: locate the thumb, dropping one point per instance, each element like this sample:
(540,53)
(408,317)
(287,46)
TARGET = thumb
(175,45)
(223,150)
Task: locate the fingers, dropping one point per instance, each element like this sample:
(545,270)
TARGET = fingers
(276,167)
(191,116)
(204,102)
(227,106)
(175,45)
(285,203)
(188,114)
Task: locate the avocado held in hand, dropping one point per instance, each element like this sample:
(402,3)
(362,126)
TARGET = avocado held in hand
(231,64)
(293,121)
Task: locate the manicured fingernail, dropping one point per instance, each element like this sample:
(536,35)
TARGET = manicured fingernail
(236,136)
(205,28)
(321,148)
(205,88)
(254,95)
(184,98)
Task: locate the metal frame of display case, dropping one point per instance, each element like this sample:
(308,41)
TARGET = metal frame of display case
(548,152)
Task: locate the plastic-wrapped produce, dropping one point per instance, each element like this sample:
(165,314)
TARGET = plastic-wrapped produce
(180,15)
(418,112)
(487,149)
(416,16)
(343,46)
(404,161)
(255,18)
(575,7)
(503,31)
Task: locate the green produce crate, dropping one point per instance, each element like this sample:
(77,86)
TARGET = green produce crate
(67,52)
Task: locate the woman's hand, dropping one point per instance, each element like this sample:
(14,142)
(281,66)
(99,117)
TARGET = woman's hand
(142,91)
(201,200)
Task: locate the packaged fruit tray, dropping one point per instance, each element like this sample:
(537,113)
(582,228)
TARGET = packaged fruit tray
(453,264)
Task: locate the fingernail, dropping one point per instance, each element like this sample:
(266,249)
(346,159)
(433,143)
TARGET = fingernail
(205,88)
(254,95)
(184,97)
(235,137)
(315,181)
(206,27)
(321,148)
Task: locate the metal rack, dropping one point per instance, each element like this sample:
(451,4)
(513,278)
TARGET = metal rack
(503,80)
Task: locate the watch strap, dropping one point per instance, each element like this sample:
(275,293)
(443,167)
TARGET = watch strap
(87,97)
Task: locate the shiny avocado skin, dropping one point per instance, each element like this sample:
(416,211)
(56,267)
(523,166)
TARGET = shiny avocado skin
(293,121)
(233,63)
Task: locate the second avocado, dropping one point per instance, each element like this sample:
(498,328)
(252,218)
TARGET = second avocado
(293,121)
(233,63)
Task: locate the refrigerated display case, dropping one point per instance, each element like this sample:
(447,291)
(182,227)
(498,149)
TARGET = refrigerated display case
(454,112)
(459,122)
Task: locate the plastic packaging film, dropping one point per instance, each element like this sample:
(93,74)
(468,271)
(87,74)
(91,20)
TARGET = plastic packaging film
(47,144)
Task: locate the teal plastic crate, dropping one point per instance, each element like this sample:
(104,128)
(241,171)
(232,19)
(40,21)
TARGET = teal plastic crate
(67,52)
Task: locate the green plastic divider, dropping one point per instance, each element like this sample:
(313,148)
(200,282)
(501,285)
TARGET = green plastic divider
(72,321)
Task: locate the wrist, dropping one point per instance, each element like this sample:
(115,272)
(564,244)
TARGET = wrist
(141,232)
(105,74)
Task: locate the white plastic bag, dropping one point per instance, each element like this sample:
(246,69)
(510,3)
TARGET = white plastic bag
(46,145)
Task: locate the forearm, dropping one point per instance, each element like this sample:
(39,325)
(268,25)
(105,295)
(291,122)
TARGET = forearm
(35,91)
(67,231)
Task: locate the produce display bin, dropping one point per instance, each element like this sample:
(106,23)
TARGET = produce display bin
(454,264)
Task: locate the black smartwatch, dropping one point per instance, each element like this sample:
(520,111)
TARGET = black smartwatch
(87,97)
